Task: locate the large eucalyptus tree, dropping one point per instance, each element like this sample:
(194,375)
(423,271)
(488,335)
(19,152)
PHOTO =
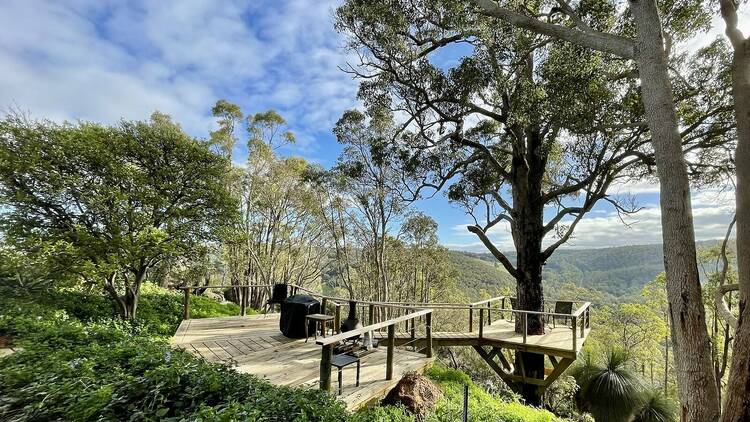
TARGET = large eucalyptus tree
(523,131)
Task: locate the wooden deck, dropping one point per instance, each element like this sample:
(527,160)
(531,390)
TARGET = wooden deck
(256,346)
(557,341)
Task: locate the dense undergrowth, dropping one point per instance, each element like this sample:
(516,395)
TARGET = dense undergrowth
(80,362)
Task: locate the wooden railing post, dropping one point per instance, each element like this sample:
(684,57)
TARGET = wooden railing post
(428,334)
(323,304)
(186,304)
(502,309)
(243,300)
(583,325)
(413,330)
(489,313)
(481,322)
(337,318)
(471,318)
(372,314)
(389,355)
(575,333)
(525,326)
(325,367)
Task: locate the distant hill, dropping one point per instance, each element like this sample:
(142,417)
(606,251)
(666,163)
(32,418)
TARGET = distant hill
(609,274)
(476,273)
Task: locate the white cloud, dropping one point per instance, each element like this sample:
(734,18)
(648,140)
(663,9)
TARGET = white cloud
(712,211)
(103,61)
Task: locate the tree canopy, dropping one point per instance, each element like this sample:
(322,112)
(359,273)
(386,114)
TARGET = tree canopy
(115,200)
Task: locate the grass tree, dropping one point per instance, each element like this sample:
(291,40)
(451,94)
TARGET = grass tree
(611,391)
(656,407)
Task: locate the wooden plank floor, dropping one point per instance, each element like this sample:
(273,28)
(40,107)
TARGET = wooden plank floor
(556,340)
(255,345)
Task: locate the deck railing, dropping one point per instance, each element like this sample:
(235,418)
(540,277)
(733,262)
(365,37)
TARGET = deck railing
(379,312)
(328,343)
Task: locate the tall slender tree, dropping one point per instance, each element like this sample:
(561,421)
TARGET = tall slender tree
(370,180)
(737,404)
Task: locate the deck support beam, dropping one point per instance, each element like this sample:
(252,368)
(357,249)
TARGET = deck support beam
(505,371)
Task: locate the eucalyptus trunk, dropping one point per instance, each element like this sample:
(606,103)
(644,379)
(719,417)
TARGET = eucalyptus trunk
(529,161)
(692,351)
(737,404)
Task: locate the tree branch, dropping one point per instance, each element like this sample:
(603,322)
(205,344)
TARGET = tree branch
(608,43)
(721,306)
(493,249)
(729,14)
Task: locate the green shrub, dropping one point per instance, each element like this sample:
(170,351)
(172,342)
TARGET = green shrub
(145,380)
(50,313)
(482,406)
(80,362)
(382,413)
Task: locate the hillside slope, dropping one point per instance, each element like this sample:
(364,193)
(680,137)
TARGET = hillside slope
(608,274)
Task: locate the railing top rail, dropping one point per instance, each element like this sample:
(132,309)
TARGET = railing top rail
(553,314)
(400,305)
(581,308)
(492,299)
(221,286)
(359,331)
(338,301)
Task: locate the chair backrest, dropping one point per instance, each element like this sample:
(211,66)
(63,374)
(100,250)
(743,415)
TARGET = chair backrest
(279,293)
(563,307)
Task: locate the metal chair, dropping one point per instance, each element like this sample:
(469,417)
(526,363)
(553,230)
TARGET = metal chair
(563,307)
(278,296)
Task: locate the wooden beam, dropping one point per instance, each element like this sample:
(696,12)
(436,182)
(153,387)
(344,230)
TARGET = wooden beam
(325,367)
(337,319)
(428,334)
(243,300)
(553,360)
(481,322)
(494,352)
(503,361)
(491,362)
(186,304)
(389,355)
(559,369)
(373,327)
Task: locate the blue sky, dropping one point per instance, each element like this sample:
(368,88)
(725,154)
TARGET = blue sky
(106,60)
